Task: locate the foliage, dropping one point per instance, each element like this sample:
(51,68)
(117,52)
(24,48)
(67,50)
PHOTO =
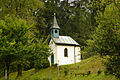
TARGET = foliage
(72,17)
(105,37)
(99,72)
(40,54)
(41,63)
(12,31)
(13,36)
(66,71)
(95,23)
(14,41)
(22,8)
(18,47)
(113,66)
(105,40)
(54,65)
(88,73)
(29,10)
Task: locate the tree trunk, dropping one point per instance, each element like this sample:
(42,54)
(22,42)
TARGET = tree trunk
(19,70)
(7,71)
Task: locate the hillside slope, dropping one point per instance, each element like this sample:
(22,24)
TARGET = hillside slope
(85,70)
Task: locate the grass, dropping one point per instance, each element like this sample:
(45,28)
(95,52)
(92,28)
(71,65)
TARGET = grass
(85,70)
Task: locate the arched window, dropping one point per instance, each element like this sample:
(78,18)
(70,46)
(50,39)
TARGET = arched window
(65,52)
(55,31)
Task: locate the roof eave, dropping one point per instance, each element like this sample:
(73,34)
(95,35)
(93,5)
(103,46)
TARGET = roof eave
(67,44)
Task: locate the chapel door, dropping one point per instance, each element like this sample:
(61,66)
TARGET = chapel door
(52,59)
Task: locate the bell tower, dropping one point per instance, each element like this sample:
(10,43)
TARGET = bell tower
(55,28)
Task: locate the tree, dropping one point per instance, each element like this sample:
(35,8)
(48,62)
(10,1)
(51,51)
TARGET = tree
(14,41)
(25,9)
(71,17)
(40,54)
(22,8)
(106,38)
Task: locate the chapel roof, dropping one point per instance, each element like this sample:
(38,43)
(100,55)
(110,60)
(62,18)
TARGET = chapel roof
(65,40)
(55,24)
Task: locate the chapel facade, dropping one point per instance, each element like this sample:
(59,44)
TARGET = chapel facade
(65,49)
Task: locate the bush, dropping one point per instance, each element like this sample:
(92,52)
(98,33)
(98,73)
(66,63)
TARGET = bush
(66,71)
(83,74)
(113,66)
(39,64)
(54,65)
(99,72)
(88,73)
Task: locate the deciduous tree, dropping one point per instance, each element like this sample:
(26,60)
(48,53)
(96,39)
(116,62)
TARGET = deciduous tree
(14,41)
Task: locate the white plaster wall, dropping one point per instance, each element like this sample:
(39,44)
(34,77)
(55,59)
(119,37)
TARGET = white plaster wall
(58,51)
(60,55)
(52,45)
(77,54)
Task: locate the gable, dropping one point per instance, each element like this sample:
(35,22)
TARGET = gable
(51,42)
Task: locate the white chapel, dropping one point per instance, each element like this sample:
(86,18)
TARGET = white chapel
(65,49)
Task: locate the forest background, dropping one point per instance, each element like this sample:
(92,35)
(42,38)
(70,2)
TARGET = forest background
(25,28)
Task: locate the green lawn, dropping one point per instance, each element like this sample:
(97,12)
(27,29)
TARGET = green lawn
(76,71)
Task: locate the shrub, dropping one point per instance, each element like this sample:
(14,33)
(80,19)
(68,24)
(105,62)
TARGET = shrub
(99,72)
(113,66)
(39,64)
(83,74)
(88,73)
(105,72)
(54,65)
(66,71)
